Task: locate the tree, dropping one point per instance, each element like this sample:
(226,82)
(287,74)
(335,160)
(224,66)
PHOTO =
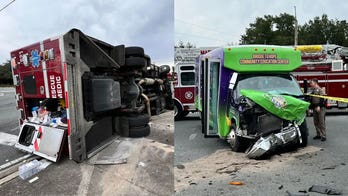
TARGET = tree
(279,30)
(269,29)
(259,32)
(6,73)
(316,31)
(283,34)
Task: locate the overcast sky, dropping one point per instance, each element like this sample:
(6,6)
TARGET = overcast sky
(216,23)
(146,23)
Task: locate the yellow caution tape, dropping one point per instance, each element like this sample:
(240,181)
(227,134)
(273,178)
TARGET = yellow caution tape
(345,100)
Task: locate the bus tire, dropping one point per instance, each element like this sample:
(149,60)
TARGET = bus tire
(236,141)
(304,134)
(136,132)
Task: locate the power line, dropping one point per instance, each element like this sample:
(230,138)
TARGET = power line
(7,5)
(199,36)
(203,27)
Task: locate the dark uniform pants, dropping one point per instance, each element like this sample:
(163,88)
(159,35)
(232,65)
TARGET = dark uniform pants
(319,122)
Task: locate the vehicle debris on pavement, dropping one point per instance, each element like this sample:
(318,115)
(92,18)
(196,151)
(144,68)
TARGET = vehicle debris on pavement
(238,183)
(31,168)
(324,190)
(297,194)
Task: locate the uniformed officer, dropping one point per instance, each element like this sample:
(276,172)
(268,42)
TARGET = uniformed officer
(318,106)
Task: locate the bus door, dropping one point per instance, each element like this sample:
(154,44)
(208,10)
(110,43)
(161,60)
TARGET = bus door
(211,93)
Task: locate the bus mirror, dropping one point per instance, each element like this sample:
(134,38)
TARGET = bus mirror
(233,80)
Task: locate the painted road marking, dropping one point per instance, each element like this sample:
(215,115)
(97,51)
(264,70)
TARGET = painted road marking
(8,139)
(13,129)
(9,164)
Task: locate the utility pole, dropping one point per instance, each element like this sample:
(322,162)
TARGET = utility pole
(296,29)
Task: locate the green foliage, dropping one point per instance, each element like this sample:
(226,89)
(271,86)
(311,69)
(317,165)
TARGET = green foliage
(269,29)
(279,30)
(6,73)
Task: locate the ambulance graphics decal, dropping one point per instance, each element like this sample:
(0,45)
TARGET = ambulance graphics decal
(35,58)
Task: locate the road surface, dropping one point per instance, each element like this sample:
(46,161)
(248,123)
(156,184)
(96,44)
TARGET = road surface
(9,128)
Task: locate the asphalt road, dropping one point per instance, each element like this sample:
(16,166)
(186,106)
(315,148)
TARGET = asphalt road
(8,125)
(206,166)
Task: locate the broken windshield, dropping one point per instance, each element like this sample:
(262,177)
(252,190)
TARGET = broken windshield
(275,84)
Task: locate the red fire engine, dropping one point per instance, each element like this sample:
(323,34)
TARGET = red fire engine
(184,85)
(327,63)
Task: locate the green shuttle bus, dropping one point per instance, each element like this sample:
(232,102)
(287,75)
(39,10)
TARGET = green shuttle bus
(247,95)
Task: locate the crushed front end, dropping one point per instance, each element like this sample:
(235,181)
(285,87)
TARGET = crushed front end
(269,120)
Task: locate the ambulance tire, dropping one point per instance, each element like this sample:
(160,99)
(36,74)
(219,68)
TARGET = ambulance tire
(304,134)
(148,60)
(164,70)
(136,132)
(137,121)
(135,62)
(134,51)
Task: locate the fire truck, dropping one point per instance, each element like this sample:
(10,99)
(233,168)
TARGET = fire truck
(327,63)
(184,75)
(75,94)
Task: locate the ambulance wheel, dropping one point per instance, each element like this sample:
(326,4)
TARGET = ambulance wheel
(304,134)
(148,60)
(137,121)
(135,62)
(134,51)
(177,111)
(235,141)
(136,132)
(164,70)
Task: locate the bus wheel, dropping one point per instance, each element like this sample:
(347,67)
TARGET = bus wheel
(235,140)
(304,134)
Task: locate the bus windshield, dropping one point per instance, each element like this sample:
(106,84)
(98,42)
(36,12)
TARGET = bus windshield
(281,84)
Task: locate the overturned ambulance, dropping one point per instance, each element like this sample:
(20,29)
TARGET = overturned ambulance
(246,94)
(76,93)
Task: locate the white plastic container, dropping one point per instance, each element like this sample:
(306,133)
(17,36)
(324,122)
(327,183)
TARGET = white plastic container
(29,169)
